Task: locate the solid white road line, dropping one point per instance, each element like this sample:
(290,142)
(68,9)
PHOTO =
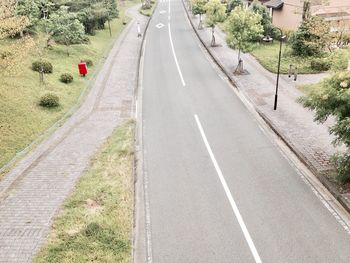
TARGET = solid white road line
(229,195)
(175,58)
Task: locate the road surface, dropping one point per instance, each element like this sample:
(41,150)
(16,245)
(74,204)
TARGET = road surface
(218,188)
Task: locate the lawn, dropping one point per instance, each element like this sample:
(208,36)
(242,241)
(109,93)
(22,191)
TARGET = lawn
(95,223)
(310,88)
(267,55)
(21,119)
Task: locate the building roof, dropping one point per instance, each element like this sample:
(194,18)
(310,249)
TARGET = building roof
(275,4)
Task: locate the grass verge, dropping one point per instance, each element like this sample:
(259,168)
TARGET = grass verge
(149,11)
(307,89)
(95,222)
(267,55)
(21,119)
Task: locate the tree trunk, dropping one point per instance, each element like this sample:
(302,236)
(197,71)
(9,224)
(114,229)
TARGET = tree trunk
(239,69)
(200,22)
(67,49)
(213,36)
(109,28)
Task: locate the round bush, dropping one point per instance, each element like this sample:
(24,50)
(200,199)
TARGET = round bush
(320,64)
(66,78)
(49,100)
(88,62)
(46,66)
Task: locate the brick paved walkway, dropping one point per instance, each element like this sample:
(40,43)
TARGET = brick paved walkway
(293,122)
(32,192)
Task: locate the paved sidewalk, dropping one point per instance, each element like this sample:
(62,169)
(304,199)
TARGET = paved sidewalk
(33,191)
(311,141)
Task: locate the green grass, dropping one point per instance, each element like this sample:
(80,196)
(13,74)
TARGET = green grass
(267,55)
(95,223)
(148,12)
(21,119)
(310,88)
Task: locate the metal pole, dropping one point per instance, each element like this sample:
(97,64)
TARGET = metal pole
(278,70)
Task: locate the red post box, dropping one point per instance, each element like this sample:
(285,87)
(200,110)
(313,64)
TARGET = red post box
(82,68)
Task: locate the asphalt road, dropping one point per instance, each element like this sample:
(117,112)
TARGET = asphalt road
(219,189)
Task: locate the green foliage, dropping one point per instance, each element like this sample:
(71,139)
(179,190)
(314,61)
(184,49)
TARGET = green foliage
(93,14)
(215,12)
(112,9)
(66,78)
(243,27)
(340,59)
(44,66)
(311,38)
(29,8)
(65,28)
(49,100)
(334,100)
(320,64)
(232,4)
(198,7)
(341,163)
(88,62)
(266,20)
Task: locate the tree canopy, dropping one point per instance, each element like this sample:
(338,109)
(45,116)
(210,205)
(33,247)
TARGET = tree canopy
(243,27)
(311,38)
(198,8)
(333,99)
(266,20)
(215,13)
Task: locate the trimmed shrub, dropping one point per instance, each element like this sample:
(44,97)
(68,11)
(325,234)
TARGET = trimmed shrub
(66,78)
(88,62)
(46,66)
(320,64)
(49,100)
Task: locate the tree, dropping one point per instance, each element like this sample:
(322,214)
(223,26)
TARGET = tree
(11,24)
(242,27)
(198,8)
(112,12)
(215,13)
(333,99)
(28,8)
(266,20)
(65,28)
(311,38)
(306,10)
(12,53)
(232,4)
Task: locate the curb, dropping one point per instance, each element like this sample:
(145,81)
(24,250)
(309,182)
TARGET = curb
(139,227)
(321,177)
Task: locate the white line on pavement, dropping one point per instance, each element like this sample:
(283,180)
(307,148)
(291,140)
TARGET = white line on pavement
(176,62)
(229,195)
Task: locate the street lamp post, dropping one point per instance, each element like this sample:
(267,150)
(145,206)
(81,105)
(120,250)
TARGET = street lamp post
(278,69)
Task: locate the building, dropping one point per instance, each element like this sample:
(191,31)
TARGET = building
(287,14)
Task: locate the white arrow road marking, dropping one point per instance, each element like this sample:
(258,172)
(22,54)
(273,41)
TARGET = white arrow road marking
(162,12)
(228,194)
